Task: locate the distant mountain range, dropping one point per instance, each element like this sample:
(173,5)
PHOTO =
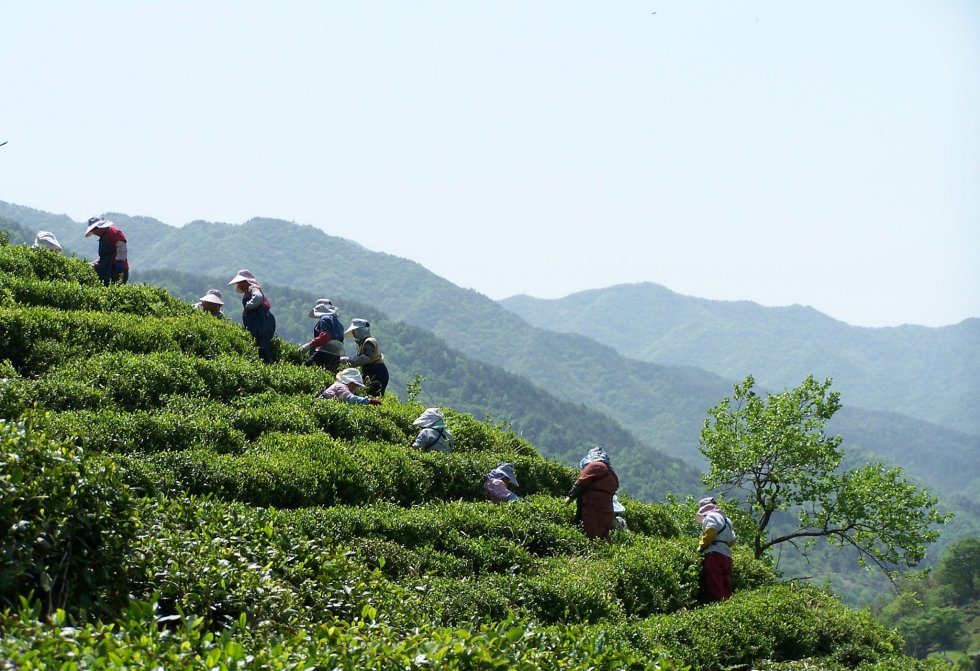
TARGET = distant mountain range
(932,374)
(662,404)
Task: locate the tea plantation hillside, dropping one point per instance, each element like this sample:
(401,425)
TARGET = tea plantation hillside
(559,429)
(167,501)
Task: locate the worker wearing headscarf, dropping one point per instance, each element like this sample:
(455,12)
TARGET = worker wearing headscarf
(594,490)
(716,538)
(434,436)
(496,484)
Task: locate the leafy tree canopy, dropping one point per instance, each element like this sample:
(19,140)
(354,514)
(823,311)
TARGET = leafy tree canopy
(773,453)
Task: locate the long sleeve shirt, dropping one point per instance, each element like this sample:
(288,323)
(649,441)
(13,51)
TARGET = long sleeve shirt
(338,391)
(717,535)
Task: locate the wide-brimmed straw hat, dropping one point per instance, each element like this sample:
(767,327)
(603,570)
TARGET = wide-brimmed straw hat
(212,296)
(243,275)
(94,223)
(350,376)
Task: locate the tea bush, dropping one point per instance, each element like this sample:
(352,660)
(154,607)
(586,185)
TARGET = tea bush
(27,334)
(128,299)
(572,589)
(41,264)
(295,470)
(144,432)
(781,622)
(13,395)
(136,382)
(134,641)
(655,575)
(220,561)
(66,519)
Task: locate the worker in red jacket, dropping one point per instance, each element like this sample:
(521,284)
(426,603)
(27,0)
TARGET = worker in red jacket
(594,490)
(113,264)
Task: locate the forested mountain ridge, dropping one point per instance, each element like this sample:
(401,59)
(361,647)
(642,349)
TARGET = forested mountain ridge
(663,406)
(932,374)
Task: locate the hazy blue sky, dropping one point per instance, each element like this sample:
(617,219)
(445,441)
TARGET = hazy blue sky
(823,153)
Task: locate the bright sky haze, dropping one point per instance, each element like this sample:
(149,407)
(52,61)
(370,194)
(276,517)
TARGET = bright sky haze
(826,154)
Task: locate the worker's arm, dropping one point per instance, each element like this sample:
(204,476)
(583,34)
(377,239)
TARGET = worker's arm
(707,538)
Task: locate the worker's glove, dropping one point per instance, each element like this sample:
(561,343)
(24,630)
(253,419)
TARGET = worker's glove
(304,348)
(375,401)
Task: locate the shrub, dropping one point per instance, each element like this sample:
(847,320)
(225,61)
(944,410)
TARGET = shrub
(144,432)
(66,518)
(35,339)
(131,299)
(297,470)
(135,641)
(572,589)
(220,561)
(782,622)
(41,264)
(137,382)
(13,396)
(468,601)
(655,576)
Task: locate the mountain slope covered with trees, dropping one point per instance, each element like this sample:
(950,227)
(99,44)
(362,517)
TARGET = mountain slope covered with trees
(932,374)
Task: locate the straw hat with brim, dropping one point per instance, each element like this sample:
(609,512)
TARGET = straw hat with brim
(95,223)
(350,376)
(243,275)
(323,307)
(211,298)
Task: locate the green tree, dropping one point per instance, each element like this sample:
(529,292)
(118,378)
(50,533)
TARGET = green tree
(959,569)
(773,453)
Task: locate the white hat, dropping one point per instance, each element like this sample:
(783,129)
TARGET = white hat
(431,419)
(350,375)
(324,306)
(94,223)
(212,296)
(47,240)
(243,275)
(357,325)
